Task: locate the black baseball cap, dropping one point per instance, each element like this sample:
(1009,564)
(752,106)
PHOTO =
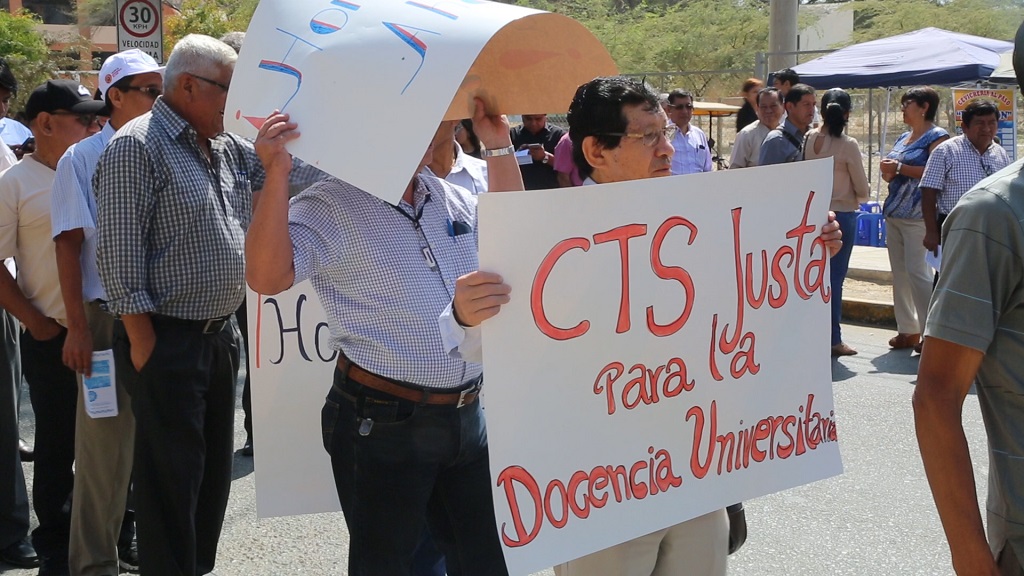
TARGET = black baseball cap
(61,95)
(7,79)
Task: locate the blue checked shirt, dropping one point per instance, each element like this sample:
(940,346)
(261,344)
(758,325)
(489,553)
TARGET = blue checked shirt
(383,297)
(171,223)
(955,166)
(73,205)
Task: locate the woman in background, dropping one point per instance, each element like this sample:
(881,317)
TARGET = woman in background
(849,189)
(748,112)
(902,169)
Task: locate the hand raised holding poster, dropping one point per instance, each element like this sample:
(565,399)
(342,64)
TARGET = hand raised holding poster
(368,83)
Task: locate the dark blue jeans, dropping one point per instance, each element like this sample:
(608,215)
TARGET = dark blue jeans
(840,265)
(417,464)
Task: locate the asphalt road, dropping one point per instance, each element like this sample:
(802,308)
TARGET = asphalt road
(876,519)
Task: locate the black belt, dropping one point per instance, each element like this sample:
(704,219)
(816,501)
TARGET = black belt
(209,326)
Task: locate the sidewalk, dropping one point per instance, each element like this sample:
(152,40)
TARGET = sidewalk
(867,292)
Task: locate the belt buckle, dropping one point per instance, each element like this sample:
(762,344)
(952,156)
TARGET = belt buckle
(210,323)
(464,393)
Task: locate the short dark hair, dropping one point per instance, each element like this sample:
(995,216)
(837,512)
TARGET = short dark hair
(679,93)
(7,79)
(1018,56)
(787,75)
(797,92)
(596,110)
(975,108)
(923,95)
(768,91)
(122,84)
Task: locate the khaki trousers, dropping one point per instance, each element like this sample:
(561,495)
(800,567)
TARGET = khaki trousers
(911,277)
(103,468)
(697,547)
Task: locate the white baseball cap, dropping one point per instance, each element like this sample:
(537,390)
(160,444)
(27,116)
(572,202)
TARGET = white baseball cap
(127,63)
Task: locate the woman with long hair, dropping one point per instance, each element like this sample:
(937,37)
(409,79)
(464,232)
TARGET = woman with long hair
(902,169)
(849,189)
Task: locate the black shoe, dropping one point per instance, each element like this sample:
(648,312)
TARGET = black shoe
(26,452)
(20,554)
(247,448)
(128,558)
(54,566)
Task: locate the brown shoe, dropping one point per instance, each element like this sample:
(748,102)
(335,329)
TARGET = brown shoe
(919,346)
(843,349)
(903,341)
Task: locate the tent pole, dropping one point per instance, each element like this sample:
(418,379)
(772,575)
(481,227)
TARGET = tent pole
(871,135)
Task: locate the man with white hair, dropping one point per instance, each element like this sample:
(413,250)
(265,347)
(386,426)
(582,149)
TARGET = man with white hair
(130,82)
(174,197)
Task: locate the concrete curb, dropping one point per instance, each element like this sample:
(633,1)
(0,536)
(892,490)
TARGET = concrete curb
(868,312)
(866,275)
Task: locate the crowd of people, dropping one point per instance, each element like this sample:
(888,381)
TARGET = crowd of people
(134,228)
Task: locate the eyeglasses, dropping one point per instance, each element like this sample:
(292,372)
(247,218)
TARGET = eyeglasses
(906,104)
(151,91)
(681,106)
(649,139)
(86,120)
(223,87)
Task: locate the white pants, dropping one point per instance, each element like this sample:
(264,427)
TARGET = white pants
(911,276)
(697,547)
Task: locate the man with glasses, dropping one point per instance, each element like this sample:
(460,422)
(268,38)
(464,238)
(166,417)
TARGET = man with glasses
(102,528)
(747,148)
(619,133)
(61,113)
(786,143)
(692,152)
(959,163)
(174,196)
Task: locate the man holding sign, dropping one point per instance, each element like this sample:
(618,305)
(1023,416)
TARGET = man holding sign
(620,133)
(405,433)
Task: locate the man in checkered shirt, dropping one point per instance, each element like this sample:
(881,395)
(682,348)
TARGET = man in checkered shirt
(406,436)
(959,163)
(174,196)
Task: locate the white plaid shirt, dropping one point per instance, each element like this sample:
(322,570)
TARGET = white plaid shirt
(366,262)
(955,166)
(171,223)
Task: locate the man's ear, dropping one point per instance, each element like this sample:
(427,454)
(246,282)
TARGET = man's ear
(116,98)
(595,152)
(43,123)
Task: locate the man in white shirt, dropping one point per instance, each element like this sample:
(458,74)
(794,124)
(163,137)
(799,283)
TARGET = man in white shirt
(692,152)
(61,113)
(130,81)
(747,148)
(450,163)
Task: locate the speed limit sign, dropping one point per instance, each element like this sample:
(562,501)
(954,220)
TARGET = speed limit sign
(140,25)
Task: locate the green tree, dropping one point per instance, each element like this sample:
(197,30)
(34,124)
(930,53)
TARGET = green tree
(874,19)
(213,18)
(26,52)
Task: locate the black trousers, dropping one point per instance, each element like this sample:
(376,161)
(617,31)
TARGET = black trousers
(14,517)
(53,391)
(184,403)
(242,316)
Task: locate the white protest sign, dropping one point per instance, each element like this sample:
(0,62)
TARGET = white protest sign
(664,354)
(291,366)
(368,82)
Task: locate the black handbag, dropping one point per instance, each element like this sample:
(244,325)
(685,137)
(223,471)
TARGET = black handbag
(737,526)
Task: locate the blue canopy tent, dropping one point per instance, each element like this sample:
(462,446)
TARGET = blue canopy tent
(930,56)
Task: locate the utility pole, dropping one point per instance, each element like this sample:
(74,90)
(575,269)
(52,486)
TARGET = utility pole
(782,34)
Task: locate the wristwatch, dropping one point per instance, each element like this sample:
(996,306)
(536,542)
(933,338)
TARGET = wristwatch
(899,167)
(497,152)
(544,160)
